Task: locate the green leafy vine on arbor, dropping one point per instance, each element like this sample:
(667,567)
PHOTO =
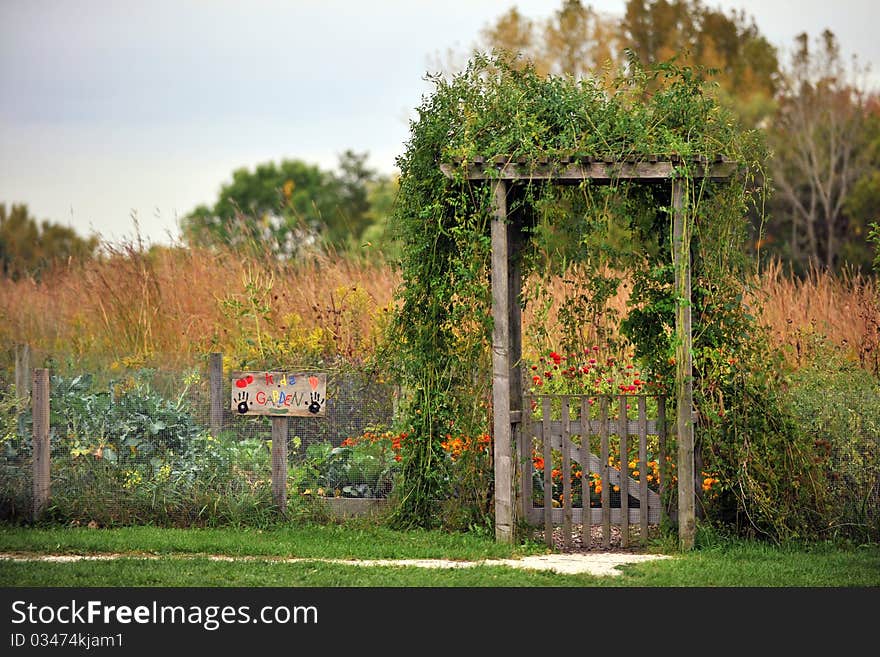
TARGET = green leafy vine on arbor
(441,332)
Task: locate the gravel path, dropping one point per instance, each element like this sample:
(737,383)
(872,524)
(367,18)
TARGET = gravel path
(596,561)
(593,560)
(593,563)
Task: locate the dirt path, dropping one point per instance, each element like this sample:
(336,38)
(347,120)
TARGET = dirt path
(599,564)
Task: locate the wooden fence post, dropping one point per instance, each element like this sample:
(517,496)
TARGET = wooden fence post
(501,368)
(41,448)
(215,369)
(515,240)
(279,462)
(684,394)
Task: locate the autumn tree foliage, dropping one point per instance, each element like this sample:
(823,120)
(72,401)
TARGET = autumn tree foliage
(816,111)
(578,40)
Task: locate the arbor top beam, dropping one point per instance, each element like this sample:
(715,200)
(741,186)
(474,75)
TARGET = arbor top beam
(573,170)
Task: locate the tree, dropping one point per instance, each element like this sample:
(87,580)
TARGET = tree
(821,136)
(379,238)
(29,248)
(577,40)
(285,208)
(742,61)
(862,206)
(353,205)
(514,34)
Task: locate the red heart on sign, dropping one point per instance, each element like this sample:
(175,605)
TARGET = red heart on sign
(313,381)
(243,382)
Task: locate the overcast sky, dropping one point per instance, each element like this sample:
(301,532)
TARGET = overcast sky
(114,107)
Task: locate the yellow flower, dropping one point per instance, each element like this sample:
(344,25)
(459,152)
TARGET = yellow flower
(132,479)
(163,474)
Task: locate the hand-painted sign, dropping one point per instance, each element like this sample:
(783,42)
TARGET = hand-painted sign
(279,393)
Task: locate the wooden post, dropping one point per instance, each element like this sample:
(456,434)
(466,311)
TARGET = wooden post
(547,437)
(522,459)
(587,528)
(681,256)
(279,462)
(643,469)
(501,368)
(42,448)
(623,430)
(566,473)
(215,372)
(662,472)
(605,474)
(525,459)
(22,375)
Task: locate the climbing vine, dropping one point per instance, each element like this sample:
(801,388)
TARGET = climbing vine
(441,333)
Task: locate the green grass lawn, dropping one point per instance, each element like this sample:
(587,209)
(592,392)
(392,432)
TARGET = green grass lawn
(351,541)
(182,560)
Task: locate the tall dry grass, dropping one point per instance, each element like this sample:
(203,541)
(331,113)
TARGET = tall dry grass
(135,304)
(845,309)
(842,309)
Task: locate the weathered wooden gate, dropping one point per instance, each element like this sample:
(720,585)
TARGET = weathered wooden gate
(559,430)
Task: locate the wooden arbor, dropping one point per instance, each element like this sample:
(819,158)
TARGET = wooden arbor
(505,175)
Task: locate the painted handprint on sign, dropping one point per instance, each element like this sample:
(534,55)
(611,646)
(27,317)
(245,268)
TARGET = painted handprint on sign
(316,401)
(242,399)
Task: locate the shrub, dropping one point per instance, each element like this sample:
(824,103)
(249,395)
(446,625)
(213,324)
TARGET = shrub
(837,406)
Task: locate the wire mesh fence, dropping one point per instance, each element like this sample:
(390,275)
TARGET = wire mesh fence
(137,445)
(131,444)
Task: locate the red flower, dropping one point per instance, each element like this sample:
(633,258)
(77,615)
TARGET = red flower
(556,357)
